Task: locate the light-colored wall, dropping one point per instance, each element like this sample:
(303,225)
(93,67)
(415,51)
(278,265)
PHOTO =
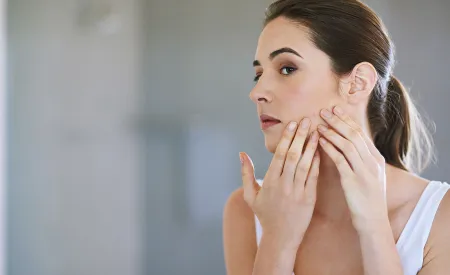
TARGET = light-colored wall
(3,148)
(123,148)
(73,170)
(421,33)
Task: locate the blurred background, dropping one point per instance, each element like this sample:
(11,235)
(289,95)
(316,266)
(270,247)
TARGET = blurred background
(125,119)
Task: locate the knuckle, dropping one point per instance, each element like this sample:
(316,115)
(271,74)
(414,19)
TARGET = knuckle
(302,168)
(287,170)
(311,145)
(287,135)
(356,128)
(348,147)
(354,134)
(359,131)
(279,156)
(339,159)
(292,156)
(314,176)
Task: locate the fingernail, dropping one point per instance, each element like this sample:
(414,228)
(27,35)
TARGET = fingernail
(338,110)
(292,126)
(241,158)
(305,123)
(326,113)
(322,128)
(322,141)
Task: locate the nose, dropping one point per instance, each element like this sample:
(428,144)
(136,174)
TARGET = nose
(259,95)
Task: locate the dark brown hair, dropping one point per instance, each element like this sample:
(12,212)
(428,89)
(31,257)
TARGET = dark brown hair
(349,32)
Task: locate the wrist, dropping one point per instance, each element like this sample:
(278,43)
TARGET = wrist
(375,229)
(275,255)
(282,242)
(372,225)
(379,251)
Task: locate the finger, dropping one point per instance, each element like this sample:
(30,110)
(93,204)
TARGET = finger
(313,177)
(348,132)
(276,166)
(338,111)
(345,146)
(251,187)
(304,166)
(338,158)
(295,151)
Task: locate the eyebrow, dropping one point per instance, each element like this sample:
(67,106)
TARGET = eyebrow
(278,52)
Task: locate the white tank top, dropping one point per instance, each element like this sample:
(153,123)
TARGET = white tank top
(414,236)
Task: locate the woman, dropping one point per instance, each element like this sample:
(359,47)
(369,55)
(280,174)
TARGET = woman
(340,195)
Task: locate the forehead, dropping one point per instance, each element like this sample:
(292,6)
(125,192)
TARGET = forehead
(281,33)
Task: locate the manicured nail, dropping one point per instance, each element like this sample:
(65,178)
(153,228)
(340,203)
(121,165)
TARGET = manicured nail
(322,128)
(326,113)
(322,141)
(338,110)
(305,123)
(292,126)
(241,158)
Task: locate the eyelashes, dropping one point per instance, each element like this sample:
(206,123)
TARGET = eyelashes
(286,70)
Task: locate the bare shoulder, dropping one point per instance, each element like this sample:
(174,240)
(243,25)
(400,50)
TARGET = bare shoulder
(436,252)
(236,203)
(237,212)
(404,190)
(440,231)
(239,235)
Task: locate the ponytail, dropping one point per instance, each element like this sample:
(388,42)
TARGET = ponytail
(404,141)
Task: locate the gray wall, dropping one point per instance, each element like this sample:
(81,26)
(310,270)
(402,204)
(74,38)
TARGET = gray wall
(123,147)
(3,137)
(73,166)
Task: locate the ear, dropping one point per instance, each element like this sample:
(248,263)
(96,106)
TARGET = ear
(359,84)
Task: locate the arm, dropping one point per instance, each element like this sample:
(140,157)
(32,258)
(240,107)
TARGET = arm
(274,258)
(239,235)
(378,249)
(437,251)
(241,252)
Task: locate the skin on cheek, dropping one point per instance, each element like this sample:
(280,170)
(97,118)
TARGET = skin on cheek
(306,104)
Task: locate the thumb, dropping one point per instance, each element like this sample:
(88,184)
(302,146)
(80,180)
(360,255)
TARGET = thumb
(251,187)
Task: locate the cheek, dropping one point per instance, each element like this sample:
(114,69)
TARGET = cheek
(309,97)
(306,99)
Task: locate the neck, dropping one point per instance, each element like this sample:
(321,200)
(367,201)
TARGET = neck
(331,203)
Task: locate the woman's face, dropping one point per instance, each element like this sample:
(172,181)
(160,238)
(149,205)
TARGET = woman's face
(293,79)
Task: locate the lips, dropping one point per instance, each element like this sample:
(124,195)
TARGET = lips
(268,121)
(267,118)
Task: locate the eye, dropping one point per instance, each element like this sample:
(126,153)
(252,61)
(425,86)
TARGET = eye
(257,77)
(287,70)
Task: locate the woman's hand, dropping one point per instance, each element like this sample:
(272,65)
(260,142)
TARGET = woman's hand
(284,204)
(361,167)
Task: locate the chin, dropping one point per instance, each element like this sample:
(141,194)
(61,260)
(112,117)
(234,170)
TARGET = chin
(271,142)
(271,148)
